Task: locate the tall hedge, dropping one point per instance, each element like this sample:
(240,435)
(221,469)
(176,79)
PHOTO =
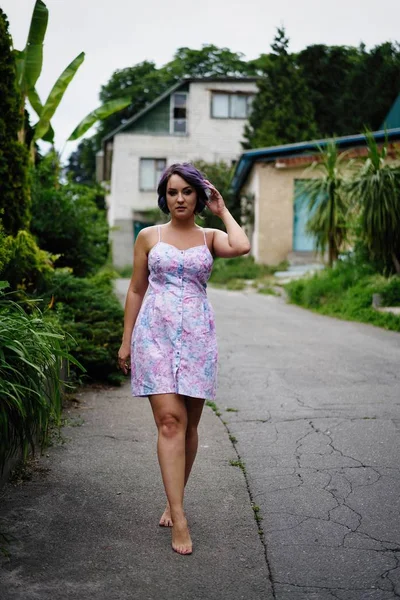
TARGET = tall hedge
(14,189)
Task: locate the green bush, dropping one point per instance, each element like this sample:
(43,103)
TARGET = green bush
(346,292)
(240,267)
(88,310)
(391,292)
(5,250)
(25,266)
(31,352)
(67,221)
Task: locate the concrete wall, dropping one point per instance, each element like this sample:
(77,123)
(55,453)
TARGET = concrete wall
(273,190)
(121,238)
(252,191)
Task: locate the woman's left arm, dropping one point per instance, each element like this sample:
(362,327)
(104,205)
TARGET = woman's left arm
(234,242)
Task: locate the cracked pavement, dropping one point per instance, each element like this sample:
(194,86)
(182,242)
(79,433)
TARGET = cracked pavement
(317,428)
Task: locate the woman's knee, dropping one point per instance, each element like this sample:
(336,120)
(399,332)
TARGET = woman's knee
(191,432)
(171,425)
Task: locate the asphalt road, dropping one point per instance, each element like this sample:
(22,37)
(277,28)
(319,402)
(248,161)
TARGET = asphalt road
(311,407)
(317,428)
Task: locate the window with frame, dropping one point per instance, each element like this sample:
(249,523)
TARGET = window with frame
(230,106)
(150,171)
(179,113)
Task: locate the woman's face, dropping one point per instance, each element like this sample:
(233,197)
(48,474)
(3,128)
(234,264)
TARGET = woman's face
(181,197)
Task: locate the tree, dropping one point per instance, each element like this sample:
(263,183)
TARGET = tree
(371,87)
(327,203)
(210,61)
(375,190)
(82,163)
(282,111)
(14,190)
(326,70)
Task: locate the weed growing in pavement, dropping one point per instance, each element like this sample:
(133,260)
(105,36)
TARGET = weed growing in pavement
(238,463)
(213,407)
(73,422)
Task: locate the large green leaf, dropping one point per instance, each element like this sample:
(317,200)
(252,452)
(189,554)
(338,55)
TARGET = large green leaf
(109,108)
(20,65)
(38,107)
(56,96)
(34,45)
(35,101)
(49,135)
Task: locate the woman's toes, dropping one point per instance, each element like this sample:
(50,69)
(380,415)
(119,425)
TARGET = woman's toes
(166,520)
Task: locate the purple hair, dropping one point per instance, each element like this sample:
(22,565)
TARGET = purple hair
(190,174)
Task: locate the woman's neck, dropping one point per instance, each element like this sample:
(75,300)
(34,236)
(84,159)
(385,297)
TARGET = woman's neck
(181,225)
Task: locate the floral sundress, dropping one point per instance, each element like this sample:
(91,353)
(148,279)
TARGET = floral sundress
(174,345)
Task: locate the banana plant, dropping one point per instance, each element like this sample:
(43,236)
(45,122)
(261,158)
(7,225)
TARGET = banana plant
(29,63)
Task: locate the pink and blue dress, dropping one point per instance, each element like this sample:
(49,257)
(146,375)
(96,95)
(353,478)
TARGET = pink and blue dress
(174,345)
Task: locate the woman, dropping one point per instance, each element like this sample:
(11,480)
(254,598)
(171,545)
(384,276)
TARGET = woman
(169,339)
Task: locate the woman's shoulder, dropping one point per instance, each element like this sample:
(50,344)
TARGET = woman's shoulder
(147,235)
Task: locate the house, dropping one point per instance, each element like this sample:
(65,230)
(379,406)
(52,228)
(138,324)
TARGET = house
(266,180)
(195,119)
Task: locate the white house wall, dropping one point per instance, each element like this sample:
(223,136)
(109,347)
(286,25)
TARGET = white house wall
(208,139)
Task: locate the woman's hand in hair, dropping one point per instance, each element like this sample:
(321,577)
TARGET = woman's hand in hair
(216,203)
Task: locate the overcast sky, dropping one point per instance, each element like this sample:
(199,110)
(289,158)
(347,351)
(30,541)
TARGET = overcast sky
(119,33)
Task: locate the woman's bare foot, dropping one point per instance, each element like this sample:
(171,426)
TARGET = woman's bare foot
(181,540)
(166,519)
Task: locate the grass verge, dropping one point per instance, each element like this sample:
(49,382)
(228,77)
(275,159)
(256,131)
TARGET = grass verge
(345,292)
(234,270)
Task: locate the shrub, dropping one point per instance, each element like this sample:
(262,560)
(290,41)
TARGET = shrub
(26,266)
(391,292)
(346,292)
(88,310)
(66,221)
(31,351)
(5,251)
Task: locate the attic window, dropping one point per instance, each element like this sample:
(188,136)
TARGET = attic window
(230,105)
(179,113)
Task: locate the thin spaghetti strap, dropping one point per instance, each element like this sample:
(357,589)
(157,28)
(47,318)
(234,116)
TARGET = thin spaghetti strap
(159,233)
(205,239)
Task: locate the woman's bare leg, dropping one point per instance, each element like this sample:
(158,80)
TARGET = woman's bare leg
(194,407)
(170,415)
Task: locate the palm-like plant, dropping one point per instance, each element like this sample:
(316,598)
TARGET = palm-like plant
(327,202)
(29,64)
(375,190)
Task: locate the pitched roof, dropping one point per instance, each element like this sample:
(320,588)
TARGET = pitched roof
(170,91)
(248,158)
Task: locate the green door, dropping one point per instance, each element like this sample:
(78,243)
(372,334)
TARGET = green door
(302,241)
(138,226)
